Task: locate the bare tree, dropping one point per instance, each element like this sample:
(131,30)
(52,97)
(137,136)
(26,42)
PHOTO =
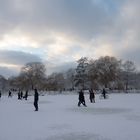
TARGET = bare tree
(128,69)
(93,75)
(33,74)
(55,82)
(3,82)
(105,70)
(13,82)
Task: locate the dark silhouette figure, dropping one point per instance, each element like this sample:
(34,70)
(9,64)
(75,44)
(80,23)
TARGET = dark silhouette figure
(104,93)
(36,98)
(91,96)
(10,94)
(26,95)
(19,97)
(21,94)
(0,94)
(81,98)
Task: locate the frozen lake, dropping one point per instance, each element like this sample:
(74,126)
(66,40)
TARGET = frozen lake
(59,118)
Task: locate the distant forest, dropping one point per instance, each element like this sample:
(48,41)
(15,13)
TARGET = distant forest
(105,72)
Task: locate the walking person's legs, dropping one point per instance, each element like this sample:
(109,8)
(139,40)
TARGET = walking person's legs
(36,106)
(79,103)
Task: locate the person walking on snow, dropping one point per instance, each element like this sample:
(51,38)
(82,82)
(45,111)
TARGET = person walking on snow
(92,96)
(36,98)
(19,97)
(10,94)
(26,95)
(21,94)
(104,93)
(81,98)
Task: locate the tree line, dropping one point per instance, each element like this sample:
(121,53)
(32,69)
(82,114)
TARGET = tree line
(107,71)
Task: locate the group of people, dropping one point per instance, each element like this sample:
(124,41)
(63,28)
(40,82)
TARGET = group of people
(36,97)
(20,95)
(81,97)
(91,96)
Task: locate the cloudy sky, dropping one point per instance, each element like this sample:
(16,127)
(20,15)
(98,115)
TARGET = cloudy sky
(59,32)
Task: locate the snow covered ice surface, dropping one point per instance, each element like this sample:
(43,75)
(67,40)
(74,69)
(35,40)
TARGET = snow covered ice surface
(59,118)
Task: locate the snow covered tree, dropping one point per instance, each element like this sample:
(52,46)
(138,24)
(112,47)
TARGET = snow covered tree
(70,74)
(81,73)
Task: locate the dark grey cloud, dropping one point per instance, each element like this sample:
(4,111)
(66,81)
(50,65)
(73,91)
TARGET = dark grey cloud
(17,57)
(8,72)
(132,55)
(61,68)
(80,18)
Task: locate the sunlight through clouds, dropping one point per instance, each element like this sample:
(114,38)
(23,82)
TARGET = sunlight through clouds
(62,31)
(17,40)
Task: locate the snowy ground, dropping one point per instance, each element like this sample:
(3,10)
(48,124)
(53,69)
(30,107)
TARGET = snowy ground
(59,118)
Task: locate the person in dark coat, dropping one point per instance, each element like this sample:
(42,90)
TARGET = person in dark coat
(91,96)
(10,94)
(26,95)
(36,98)
(19,97)
(21,94)
(104,93)
(0,94)
(81,98)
